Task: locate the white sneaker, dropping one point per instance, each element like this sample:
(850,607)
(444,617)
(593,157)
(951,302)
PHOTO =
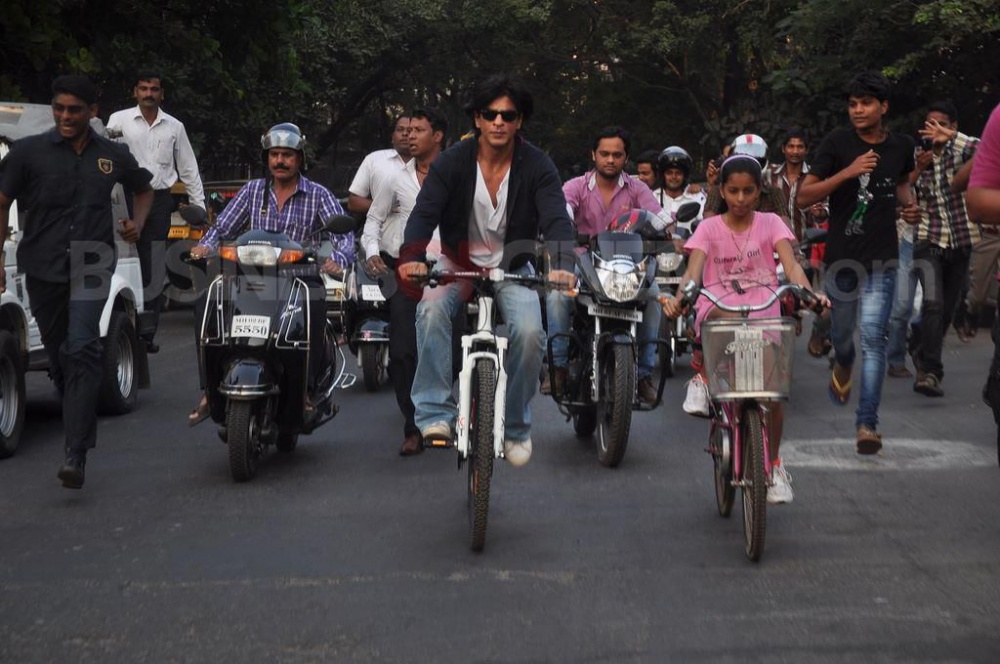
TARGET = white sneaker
(781,489)
(696,401)
(517,452)
(437,431)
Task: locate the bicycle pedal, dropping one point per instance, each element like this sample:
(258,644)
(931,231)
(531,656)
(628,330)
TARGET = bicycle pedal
(439,443)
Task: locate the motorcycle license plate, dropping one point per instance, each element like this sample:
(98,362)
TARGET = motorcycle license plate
(371,293)
(668,281)
(177,233)
(256,327)
(609,312)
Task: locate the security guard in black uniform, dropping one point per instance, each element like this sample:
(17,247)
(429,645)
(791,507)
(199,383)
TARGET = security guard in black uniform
(64,179)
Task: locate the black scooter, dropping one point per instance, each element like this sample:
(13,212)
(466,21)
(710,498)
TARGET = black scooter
(254,345)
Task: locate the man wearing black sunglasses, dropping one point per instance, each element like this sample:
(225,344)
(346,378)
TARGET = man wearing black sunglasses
(491,195)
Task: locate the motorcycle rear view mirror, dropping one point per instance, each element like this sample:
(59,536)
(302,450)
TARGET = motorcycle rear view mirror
(687,212)
(193,215)
(340,224)
(815,235)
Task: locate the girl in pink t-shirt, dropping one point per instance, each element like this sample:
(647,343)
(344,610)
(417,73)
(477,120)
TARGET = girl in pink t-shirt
(736,248)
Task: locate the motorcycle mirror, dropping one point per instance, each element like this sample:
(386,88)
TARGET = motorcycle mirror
(340,224)
(194,215)
(687,212)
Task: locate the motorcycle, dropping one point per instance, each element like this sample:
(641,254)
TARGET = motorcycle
(600,391)
(254,345)
(368,322)
(670,268)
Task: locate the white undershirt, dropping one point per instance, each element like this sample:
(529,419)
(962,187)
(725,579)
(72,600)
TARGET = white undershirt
(488,224)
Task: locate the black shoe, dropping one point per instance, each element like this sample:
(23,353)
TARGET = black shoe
(71,474)
(152,347)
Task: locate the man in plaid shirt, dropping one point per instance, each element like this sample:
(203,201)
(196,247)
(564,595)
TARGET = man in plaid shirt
(944,237)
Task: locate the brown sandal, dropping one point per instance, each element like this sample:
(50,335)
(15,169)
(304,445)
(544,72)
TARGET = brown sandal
(869,441)
(200,413)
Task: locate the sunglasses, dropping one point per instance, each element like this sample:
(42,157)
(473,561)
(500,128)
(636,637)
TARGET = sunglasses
(490,115)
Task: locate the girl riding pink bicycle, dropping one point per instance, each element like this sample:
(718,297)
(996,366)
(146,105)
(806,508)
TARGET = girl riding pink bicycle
(732,254)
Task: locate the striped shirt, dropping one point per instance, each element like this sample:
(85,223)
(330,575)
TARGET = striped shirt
(944,220)
(304,213)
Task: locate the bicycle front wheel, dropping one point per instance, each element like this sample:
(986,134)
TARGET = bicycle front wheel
(483,387)
(754,484)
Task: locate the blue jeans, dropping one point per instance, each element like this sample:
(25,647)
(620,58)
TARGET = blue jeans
(902,305)
(432,383)
(851,289)
(559,309)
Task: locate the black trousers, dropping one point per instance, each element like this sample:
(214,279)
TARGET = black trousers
(152,249)
(942,274)
(69,319)
(403,347)
(991,391)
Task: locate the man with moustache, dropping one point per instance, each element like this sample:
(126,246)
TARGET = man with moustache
(284,202)
(64,179)
(381,240)
(160,144)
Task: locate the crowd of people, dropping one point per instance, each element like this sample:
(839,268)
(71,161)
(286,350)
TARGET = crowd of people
(895,214)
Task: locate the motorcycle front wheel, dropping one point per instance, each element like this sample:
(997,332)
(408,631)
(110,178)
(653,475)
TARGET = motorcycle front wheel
(615,412)
(243,439)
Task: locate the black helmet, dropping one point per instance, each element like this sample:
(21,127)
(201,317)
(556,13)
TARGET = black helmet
(675,157)
(284,135)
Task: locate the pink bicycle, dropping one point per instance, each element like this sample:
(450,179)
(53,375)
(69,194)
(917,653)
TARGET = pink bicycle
(748,363)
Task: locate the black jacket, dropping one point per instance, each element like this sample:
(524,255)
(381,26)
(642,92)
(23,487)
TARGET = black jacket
(535,207)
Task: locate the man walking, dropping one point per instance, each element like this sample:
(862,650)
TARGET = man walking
(160,144)
(864,170)
(379,167)
(64,177)
(381,240)
(944,238)
(491,195)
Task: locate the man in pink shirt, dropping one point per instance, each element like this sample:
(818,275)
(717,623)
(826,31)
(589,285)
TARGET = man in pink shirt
(595,199)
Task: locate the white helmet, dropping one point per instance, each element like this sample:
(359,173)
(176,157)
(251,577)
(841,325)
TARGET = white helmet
(751,145)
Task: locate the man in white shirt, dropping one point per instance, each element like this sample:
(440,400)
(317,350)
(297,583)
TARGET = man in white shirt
(379,167)
(160,144)
(381,240)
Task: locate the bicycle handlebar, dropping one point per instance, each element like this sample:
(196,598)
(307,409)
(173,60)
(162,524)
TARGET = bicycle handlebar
(691,293)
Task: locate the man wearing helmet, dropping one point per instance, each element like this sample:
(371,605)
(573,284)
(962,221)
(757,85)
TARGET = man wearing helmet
(596,199)
(285,202)
(771,199)
(674,166)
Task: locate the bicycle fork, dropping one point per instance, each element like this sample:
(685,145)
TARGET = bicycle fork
(494,350)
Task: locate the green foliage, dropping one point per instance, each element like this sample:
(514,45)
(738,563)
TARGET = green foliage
(673,71)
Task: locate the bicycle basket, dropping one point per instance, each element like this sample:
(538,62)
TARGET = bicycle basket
(749,358)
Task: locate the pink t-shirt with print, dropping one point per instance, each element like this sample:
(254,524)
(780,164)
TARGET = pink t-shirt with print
(747,257)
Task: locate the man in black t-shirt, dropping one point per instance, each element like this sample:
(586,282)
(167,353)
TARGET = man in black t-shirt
(864,170)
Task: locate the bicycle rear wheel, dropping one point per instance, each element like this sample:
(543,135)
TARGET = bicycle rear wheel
(481,451)
(754,484)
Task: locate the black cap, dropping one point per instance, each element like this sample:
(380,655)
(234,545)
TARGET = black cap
(76,85)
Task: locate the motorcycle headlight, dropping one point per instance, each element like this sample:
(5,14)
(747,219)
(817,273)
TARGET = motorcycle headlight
(258,254)
(669,262)
(620,280)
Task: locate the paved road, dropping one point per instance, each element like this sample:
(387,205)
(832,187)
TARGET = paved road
(346,552)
